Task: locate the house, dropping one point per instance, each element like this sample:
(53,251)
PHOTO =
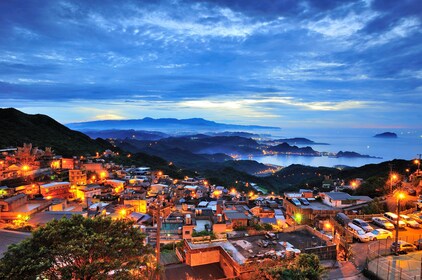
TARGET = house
(342,200)
(55,190)
(236,218)
(262,212)
(77,177)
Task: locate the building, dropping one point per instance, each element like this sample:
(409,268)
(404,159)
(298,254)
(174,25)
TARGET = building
(77,177)
(117,185)
(235,219)
(86,192)
(342,200)
(18,206)
(55,190)
(237,257)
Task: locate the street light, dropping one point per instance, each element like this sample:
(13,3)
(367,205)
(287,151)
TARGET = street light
(400,196)
(418,162)
(393,177)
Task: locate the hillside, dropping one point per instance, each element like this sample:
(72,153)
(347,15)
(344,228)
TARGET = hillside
(17,128)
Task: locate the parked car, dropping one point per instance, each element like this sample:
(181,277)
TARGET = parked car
(304,201)
(362,224)
(393,219)
(409,221)
(382,222)
(380,233)
(358,233)
(417,216)
(418,244)
(342,219)
(403,247)
(270,235)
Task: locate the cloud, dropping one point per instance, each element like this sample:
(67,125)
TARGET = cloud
(340,27)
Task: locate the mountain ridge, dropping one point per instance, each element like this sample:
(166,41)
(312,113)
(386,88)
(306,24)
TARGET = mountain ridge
(164,125)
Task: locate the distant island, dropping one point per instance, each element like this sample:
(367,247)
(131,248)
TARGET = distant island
(386,135)
(300,141)
(348,154)
(295,141)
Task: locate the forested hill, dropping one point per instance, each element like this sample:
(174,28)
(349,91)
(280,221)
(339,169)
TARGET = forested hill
(42,131)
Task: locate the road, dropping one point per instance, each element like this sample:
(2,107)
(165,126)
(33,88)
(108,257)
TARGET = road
(8,237)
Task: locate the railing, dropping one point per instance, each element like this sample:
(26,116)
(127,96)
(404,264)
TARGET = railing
(384,265)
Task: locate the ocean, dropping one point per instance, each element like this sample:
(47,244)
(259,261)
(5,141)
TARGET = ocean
(407,146)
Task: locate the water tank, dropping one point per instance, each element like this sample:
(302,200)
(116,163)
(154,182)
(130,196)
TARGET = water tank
(188,219)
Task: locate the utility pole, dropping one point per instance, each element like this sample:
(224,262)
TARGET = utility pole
(391,177)
(157,245)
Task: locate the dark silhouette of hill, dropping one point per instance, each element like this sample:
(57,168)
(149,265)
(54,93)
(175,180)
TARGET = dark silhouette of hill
(42,131)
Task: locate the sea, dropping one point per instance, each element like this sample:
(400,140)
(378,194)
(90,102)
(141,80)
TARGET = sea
(406,146)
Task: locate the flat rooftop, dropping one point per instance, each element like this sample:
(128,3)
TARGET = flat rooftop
(316,205)
(302,239)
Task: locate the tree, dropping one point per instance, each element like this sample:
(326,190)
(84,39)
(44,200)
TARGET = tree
(80,248)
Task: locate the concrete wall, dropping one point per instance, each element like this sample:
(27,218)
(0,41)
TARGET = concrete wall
(205,257)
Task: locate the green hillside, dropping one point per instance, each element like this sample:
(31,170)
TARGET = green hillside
(42,131)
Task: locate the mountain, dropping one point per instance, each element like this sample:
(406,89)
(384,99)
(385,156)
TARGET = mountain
(348,154)
(285,148)
(386,135)
(298,141)
(166,125)
(199,144)
(126,133)
(17,128)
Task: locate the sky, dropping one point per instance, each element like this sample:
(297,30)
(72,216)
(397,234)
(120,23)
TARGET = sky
(290,63)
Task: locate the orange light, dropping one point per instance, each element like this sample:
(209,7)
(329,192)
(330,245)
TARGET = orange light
(160,173)
(25,168)
(123,212)
(102,174)
(401,195)
(416,161)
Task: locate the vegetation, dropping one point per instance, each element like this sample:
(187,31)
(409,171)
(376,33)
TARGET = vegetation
(204,233)
(80,248)
(303,267)
(17,128)
(375,207)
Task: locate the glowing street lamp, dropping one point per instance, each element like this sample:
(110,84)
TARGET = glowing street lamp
(418,162)
(123,213)
(393,178)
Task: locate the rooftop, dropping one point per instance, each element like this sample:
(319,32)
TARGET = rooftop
(302,239)
(316,205)
(233,214)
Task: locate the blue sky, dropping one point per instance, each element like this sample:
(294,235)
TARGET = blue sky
(290,63)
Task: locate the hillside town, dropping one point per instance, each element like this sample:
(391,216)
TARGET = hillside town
(195,224)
